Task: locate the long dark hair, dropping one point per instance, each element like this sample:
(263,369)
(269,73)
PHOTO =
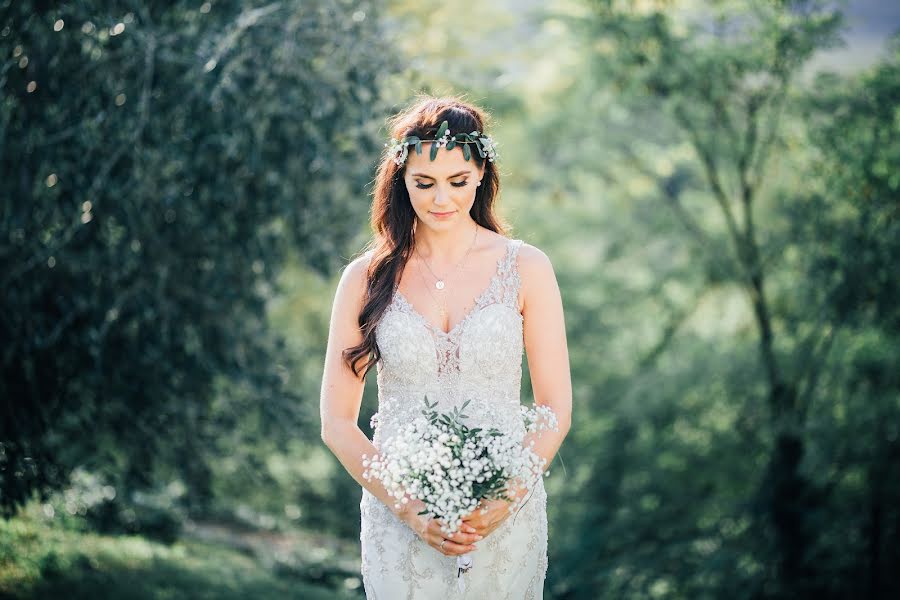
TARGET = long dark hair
(393,216)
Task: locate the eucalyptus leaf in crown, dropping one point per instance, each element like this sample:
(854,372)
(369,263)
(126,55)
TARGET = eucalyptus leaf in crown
(398,150)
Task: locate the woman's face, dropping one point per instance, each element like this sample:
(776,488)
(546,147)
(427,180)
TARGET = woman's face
(441,191)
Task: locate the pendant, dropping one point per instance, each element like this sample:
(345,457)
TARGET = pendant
(439,284)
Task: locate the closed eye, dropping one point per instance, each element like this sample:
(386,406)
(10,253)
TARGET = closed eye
(422,186)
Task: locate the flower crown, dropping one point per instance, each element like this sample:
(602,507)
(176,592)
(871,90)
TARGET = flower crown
(399,149)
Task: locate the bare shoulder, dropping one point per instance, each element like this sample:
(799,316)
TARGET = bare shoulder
(352,284)
(534,265)
(538,279)
(357,268)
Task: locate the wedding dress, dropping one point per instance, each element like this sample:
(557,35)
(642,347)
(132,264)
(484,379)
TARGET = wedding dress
(479,360)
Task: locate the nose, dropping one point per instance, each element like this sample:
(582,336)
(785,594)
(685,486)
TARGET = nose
(442,195)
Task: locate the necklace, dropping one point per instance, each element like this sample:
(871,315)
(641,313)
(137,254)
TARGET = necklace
(441,308)
(439,283)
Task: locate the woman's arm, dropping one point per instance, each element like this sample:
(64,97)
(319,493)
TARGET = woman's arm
(339,408)
(548,362)
(342,391)
(546,347)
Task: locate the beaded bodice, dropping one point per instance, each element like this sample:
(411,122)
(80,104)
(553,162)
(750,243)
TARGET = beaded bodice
(479,359)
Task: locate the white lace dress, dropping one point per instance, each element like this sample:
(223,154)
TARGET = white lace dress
(479,360)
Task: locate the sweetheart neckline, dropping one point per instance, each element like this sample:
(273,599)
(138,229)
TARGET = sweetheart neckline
(475,307)
(449,334)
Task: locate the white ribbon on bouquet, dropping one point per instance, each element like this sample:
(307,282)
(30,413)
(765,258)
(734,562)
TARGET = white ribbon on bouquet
(464,562)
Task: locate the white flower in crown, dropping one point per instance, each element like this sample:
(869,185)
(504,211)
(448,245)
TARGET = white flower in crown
(488,148)
(442,141)
(398,149)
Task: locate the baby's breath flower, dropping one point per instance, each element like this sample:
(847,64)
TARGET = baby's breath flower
(451,468)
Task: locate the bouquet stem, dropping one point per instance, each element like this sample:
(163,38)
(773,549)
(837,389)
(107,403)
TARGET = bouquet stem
(464,562)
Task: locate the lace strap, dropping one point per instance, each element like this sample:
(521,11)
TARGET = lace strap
(510,281)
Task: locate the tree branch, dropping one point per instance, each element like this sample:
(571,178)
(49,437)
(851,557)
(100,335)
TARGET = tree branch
(776,100)
(673,196)
(712,176)
(676,319)
(747,257)
(745,157)
(101,177)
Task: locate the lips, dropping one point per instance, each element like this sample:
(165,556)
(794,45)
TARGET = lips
(442,214)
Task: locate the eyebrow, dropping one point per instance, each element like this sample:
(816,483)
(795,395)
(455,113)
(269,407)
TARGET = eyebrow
(450,177)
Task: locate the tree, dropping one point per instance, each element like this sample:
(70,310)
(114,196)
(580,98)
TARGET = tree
(715,94)
(849,229)
(159,162)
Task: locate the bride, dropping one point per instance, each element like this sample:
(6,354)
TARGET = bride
(443,305)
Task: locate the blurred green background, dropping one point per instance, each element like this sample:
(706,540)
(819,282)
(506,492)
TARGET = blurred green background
(716,183)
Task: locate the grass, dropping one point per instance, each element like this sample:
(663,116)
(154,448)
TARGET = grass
(41,559)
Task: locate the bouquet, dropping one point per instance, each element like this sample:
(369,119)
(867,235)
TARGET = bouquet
(451,468)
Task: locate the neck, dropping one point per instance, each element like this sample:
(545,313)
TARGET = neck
(445,247)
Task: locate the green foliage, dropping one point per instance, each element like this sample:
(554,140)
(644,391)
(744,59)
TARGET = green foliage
(38,560)
(158,165)
(852,226)
(724,448)
(441,130)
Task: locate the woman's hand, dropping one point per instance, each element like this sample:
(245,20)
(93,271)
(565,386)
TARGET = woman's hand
(429,529)
(495,512)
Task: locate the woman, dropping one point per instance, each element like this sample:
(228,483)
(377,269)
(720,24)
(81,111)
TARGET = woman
(443,305)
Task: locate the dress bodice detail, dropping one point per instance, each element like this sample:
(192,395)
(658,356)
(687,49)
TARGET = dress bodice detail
(479,359)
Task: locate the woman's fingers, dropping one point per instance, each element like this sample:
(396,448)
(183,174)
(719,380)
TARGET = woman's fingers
(471,525)
(474,528)
(451,548)
(460,537)
(456,543)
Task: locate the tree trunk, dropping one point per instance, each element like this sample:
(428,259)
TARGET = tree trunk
(791,501)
